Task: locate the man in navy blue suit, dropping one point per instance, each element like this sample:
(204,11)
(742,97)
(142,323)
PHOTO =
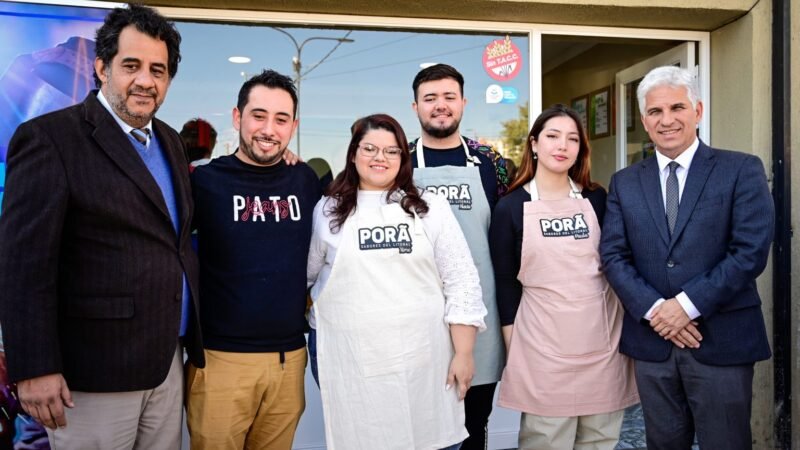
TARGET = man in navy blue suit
(686,233)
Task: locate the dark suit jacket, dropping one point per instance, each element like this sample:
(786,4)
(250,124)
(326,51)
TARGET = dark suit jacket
(719,246)
(90,266)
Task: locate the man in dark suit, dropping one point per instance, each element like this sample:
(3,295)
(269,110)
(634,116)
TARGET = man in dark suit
(686,233)
(96,269)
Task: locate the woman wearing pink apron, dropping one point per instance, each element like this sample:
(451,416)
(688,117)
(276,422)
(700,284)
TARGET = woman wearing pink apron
(397,303)
(561,320)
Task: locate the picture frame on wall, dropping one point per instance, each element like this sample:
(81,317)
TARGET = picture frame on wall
(630,103)
(599,123)
(581,106)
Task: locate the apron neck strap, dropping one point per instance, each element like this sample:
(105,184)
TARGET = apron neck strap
(573,189)
(421,153)
(397,197)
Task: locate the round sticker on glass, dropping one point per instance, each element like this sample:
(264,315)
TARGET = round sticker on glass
(494,94)
(502,59)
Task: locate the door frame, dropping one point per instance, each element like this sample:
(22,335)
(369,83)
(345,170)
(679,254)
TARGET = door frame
(702,60)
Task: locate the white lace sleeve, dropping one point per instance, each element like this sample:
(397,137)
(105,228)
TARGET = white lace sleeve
(316,252)
(461,285)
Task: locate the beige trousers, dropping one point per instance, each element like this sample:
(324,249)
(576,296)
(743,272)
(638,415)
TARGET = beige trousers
(595,432)
(146,420)
(245,400)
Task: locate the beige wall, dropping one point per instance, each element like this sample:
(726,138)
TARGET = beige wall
(740,120)
(587,72)
(795,145)
(703,15)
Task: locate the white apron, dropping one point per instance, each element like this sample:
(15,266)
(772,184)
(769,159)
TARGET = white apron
(463,188)
(384,349)
(564,358)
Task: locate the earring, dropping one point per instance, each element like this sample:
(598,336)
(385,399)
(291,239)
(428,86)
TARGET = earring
(534,156)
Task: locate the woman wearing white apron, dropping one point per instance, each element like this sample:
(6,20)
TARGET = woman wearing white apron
(397,303)
(561,320)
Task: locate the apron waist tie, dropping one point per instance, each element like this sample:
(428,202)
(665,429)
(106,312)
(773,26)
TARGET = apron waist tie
(283,359)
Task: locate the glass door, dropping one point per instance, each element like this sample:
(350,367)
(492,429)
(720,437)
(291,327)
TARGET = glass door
(633,144)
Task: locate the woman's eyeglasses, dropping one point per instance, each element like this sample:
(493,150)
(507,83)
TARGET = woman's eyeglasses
(391,152)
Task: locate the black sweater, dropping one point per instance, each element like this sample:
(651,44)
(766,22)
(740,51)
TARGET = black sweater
(254,231)
(505,242)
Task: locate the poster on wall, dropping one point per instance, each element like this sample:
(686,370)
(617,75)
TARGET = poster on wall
(630,113)
(580,105)
(600,113)
(46,63)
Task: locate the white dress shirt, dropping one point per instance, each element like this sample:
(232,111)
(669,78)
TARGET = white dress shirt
(684,161)
(125,127)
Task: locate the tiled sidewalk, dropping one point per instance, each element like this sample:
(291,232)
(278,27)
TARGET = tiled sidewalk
(632,435)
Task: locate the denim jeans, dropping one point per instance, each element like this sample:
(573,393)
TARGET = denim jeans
(312,354)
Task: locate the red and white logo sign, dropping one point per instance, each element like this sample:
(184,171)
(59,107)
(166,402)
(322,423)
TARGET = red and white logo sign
(502,59)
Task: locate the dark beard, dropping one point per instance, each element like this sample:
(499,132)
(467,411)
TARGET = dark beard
(441,133)
(135,120)
(117,102)
(247,149)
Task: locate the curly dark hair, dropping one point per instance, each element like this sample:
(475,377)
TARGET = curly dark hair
(437,72)
(580,172)
(146,20)
(270,79)
(344,189)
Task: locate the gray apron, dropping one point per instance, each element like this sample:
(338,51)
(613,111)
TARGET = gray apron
(463,188)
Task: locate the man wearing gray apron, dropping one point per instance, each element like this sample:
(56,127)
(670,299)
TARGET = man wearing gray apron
(472,177)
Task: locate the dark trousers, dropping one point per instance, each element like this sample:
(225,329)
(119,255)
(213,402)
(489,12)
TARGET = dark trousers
(312,354)
(477,408)
(681,397)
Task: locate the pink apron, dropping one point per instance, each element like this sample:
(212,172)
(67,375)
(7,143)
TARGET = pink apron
(564,358)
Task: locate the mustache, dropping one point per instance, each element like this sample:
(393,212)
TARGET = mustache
(266,139)
(140,91)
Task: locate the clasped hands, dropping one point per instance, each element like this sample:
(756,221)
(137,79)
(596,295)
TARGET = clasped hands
(672,323)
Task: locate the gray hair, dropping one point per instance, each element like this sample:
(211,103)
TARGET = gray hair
(671,76)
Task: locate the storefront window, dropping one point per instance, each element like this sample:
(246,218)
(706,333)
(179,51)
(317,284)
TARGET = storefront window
(345,74)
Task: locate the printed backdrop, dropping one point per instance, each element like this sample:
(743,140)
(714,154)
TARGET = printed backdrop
(46,63)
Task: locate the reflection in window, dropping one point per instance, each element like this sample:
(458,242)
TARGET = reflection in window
(361,72)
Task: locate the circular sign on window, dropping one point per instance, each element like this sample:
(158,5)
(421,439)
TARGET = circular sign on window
(502,59)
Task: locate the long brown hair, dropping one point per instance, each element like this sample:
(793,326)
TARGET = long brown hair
(344,189)
(579,172)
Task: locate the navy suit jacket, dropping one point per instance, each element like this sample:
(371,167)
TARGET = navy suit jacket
(719,246)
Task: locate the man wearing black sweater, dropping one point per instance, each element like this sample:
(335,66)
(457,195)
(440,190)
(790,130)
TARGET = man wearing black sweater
(253,217)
